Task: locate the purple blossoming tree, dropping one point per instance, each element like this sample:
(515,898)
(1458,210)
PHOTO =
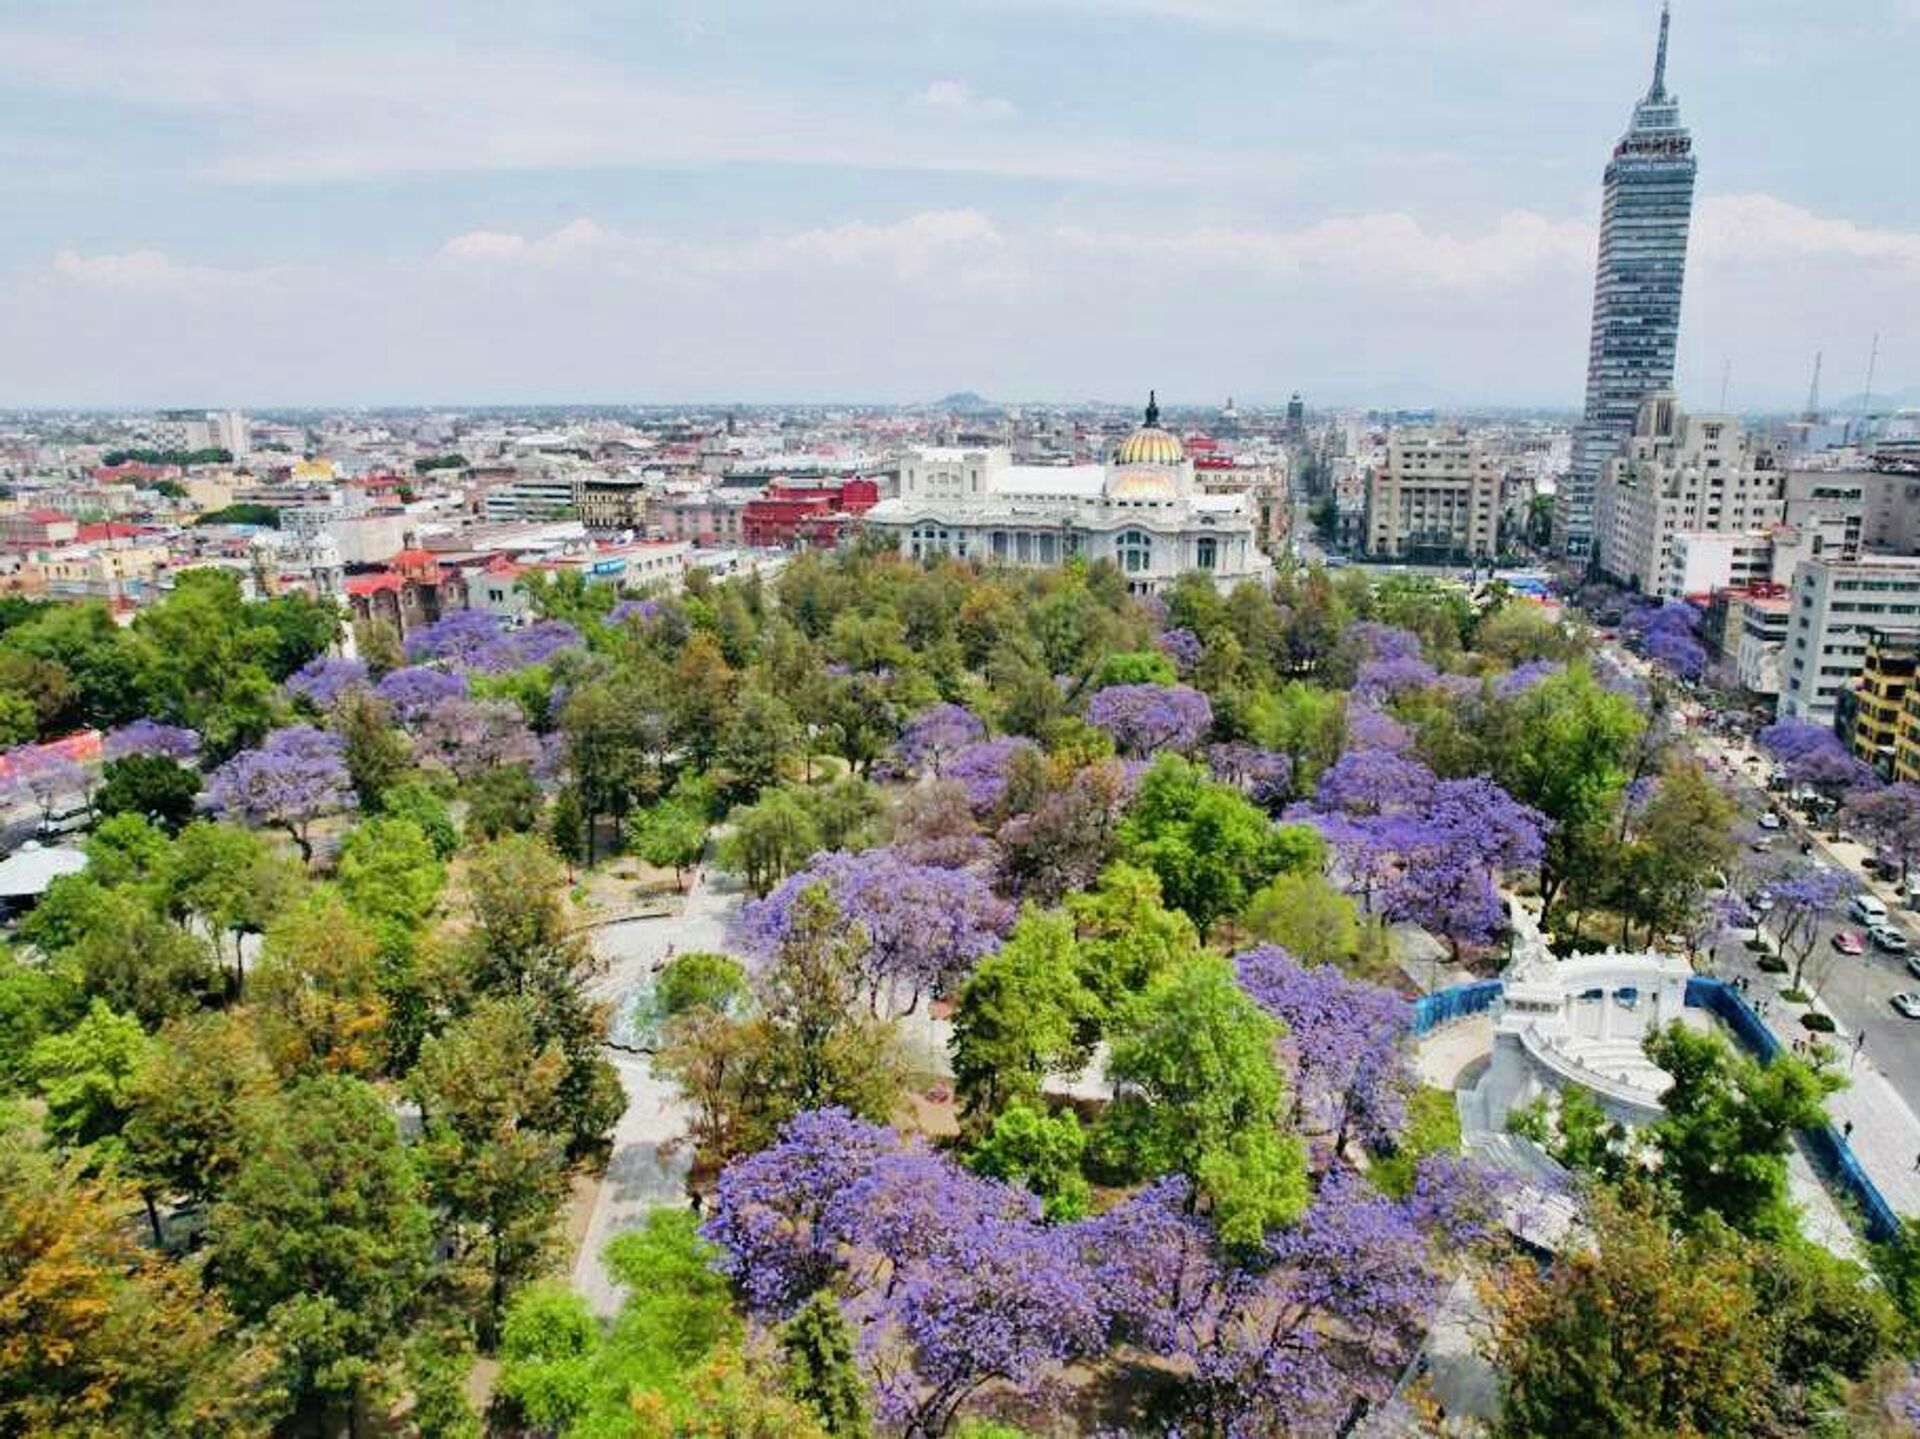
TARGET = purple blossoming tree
(297,775)
(471,737)
(932,737)
(151,737)
(1372,781)
(457,638)
(925,927)
(1143,720)
(1265,776)
(416,691)
(1180,646)
(981,769)
(323,680)
(1343,1042)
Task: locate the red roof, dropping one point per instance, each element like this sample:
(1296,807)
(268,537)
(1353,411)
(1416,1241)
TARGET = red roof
(43,517)
(109,530)
(372,584)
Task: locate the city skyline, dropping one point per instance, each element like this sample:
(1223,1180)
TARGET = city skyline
(1036,200)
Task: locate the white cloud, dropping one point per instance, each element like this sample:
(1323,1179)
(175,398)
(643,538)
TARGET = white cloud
(909,249)
(1385,247)
(1761,227)
(954,97)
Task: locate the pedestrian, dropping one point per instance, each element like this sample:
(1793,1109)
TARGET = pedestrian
(1846,1130)
(1859,1041)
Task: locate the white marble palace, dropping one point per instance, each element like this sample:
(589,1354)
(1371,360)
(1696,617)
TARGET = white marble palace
(1142,511)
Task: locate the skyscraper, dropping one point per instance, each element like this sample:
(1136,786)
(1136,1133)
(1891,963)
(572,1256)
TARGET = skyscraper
(1646,207)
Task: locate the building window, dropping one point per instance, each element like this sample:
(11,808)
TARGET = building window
(1135,551)
(1204,552)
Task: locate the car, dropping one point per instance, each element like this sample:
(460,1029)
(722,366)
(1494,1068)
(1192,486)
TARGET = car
(1907,1003)
(1769,820)
(1913,965)
(1762,901)
(1888,939)
(1762,844)
(1850,941)
(1868,909)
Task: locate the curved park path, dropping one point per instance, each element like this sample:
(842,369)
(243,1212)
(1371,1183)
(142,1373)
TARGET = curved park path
(639,1176)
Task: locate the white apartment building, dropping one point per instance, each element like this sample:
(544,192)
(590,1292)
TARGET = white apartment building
(1681,473)
(1835,604)
(1702,561)
(1437,497)
(1764,621)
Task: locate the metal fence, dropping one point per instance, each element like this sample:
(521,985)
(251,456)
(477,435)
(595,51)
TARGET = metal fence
(1444,1006)
(1831,1152)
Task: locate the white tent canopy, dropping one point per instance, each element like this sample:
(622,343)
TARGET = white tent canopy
(26,873)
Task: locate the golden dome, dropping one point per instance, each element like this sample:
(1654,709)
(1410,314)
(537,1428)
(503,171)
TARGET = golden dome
(1150,445)
(1142,485)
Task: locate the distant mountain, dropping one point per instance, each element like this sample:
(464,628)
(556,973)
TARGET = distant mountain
(964,402)
(1883,401)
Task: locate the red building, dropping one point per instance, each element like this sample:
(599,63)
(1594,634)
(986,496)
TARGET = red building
(413,591)
(789,515)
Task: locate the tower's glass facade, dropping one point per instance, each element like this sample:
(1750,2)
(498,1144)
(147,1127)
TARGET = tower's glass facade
(1644,216)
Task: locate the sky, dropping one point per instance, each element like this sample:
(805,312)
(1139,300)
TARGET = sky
(218,203)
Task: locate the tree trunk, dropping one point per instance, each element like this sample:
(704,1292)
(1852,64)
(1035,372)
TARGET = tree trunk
(153,1219)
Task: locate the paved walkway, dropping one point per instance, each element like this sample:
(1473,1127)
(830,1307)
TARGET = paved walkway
(639,1175)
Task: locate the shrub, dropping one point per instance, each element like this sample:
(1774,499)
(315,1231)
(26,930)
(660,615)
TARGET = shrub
(1818,1023)
(1772,964)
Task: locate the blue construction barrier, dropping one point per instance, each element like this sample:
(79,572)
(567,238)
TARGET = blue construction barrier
(1830,1149)
(1444,1006)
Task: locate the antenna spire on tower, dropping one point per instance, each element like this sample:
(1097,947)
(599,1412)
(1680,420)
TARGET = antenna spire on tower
(1812,416)
(1659,90)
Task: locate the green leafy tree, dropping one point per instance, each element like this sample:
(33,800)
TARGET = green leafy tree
(1566,746)
(672,1364)
(495,1143)
(36,999)
(127,849)
(140,961)
(769,839)
(1209,845)
(1041,1151)
(377,754)
(761,735)
(1309,918)
(151,786)
(1201,1094)
(85,1076)
(228,882)
(501,802)
(191,1108)
(567,825)
(699,979)
(390,874)
(669,835)
(822,1371)
(520,947)
(414,800)
(317,993)
(1125,936)
(1020,1016)
(324,1240)
(1729,1125)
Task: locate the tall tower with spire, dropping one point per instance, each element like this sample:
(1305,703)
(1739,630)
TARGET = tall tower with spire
(1645,212)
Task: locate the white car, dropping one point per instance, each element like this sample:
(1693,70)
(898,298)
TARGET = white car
(1907,1003)
(1769,820)
(1885,937)
(1868,910)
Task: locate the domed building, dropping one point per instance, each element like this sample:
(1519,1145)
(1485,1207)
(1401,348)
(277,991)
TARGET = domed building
(1142,511)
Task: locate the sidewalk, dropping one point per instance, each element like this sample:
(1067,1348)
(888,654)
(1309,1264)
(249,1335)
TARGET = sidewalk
(1886,1131)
